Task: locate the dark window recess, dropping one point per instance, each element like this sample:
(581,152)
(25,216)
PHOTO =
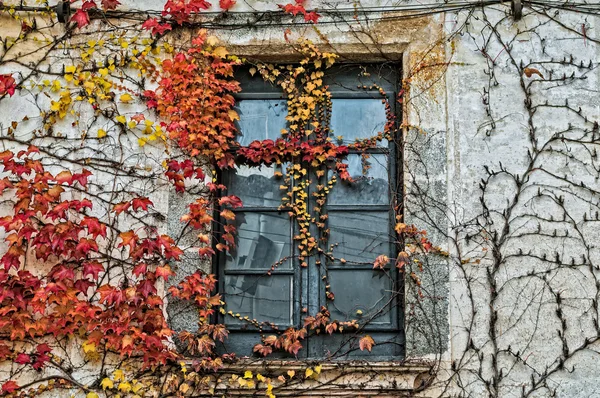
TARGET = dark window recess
(361,218)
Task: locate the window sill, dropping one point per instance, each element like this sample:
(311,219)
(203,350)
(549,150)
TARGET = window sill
(336,379)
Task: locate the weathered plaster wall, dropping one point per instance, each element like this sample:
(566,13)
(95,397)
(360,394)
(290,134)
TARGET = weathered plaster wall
(451,137)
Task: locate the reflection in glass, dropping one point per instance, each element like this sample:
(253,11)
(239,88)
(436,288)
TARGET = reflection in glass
(369,189)
(357,118)
(361,236)
(256,186)
(360,294)
(264,298)
(260,120)
(263,239)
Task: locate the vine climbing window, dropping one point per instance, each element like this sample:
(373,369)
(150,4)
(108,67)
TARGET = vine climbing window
(273,279)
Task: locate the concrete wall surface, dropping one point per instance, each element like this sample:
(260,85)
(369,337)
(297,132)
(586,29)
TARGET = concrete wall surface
(500,120)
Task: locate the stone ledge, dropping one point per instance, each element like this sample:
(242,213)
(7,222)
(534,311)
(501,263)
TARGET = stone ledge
(337,379)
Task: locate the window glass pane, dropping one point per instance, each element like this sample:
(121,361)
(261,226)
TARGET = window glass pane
(257,186)
(260,120)
(357,118)
(361,295)
(371,182)
(361,236)
(264,298)
(263,239)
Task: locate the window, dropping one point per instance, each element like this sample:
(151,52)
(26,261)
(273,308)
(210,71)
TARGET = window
(263,278)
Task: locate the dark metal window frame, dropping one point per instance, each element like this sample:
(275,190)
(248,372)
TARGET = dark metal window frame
(307,283)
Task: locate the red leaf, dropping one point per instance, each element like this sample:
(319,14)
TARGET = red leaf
(93,269)
(140,269)
(40,361)
(43,349)
(141,203)
(206,251)
(81,18)
(94,227)
(311,17)
(366,343)
(147,287)
(157,28)
(60,272)
(231,200)
(7,85)
(88,5)
(226,4)
(23,359)
(9,386)
(121,207)
(110,4)
(86,245)
(82,177)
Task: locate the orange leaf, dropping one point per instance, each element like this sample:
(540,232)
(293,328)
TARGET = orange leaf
(228,214)
(532,71)
(64,177)
(366,343)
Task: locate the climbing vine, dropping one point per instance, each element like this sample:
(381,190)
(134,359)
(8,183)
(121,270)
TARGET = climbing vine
(108,114)
(119,113)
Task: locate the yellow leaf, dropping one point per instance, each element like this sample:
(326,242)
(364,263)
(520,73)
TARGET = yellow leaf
(126,98)
(101,133)
(318,369)
(88,347)
(107,383)
(233,115)
(118,375)
(308,372)
(124,387)
(103,71)
(212,40)
(248,374)
(291,373)
(121,119)
(92,395)
(137,388)
(220,52)
(70,69)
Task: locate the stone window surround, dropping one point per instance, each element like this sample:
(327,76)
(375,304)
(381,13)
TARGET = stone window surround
(393,378)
